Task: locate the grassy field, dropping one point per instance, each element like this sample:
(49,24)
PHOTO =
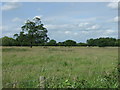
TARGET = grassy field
(62,66)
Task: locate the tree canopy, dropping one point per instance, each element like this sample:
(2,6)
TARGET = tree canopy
(100,42)
(52,43)
(33,32)
(70,43)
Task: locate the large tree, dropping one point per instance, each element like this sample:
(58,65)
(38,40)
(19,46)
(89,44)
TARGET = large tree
(34,31)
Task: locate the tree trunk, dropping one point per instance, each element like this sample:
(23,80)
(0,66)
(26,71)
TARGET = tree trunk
(31,45)
(21,43)
(31,40)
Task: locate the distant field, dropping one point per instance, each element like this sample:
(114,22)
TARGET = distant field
(63,66)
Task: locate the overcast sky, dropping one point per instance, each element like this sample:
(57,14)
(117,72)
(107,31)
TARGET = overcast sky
(78,21)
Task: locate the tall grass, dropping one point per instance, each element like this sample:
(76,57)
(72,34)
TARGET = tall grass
(62,65)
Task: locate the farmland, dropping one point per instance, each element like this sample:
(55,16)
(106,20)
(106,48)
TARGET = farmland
(62,66)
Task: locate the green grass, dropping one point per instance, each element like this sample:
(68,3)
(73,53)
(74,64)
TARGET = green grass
(63,66)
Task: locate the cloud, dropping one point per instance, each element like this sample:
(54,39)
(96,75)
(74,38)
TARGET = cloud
(3,28)
(110,32)
(83,24)
(16,19)
(113,5)
(71,33)
(89,26)
(61,26)
(76,33)
(82,36)
(115,19)
(9,30)
(67,32)
(10,6)
(73,27)
(66,19)
(94,27)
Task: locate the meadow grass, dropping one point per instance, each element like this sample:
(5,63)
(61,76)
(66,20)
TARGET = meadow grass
(59,64)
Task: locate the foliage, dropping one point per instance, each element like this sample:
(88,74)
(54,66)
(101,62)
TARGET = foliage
(102,42)
(35,33)
(70,43)
(81,44)
(102,81)
(23,39)
(60,43)
(52,43)
(7,41)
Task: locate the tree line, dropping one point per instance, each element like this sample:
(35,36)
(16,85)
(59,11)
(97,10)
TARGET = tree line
(35,34)
(101,42)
